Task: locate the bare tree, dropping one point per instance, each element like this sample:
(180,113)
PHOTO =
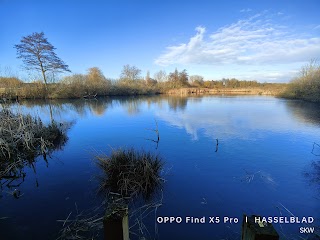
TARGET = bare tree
(38,54)
(148,76)
(130,73)
(160,76)
(196,78)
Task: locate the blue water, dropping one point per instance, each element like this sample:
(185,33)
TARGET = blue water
(263,164)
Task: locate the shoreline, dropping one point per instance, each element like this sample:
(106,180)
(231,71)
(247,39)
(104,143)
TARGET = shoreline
(15,94)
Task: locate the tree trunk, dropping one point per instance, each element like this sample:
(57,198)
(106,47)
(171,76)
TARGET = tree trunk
(44,79)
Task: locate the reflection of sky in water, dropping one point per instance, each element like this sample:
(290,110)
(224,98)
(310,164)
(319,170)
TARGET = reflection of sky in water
(264,149)
(236,117)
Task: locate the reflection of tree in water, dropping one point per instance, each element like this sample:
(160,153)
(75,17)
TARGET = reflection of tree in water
(306,112)
(99,107)
(177,102)
(59,107)
(132,107)
(131,104)
(23,139)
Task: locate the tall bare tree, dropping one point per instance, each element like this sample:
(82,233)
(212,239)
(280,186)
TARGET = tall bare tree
(38,54)
(160,76)
(130,73)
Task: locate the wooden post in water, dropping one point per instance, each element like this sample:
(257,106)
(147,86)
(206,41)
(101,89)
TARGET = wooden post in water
(116,229)
(256,230)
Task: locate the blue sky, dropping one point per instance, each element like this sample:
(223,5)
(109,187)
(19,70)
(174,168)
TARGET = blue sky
(247,39)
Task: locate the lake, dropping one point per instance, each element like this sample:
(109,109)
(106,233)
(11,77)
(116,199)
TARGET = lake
(265,163)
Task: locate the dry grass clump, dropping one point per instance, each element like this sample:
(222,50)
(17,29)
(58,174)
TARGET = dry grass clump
(130,172)
(23,138)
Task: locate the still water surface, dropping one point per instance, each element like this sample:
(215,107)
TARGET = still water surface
(263,164)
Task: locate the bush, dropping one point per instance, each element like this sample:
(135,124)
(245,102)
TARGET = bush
(307,85)
(10,82)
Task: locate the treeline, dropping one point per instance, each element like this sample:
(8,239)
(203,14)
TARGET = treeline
(130,82)
(307,85)
(38,54)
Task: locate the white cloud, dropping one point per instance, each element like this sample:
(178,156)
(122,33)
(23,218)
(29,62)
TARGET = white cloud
(245,10)
(253,41)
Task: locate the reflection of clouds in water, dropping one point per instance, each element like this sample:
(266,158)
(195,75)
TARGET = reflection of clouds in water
(236,117)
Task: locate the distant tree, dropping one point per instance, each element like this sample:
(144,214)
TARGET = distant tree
(178,79)
(174,76)
(95,75)
(130,73)
(148,76)
(150,81)
(183,77)
(196,78)
(160,76)
(38,54)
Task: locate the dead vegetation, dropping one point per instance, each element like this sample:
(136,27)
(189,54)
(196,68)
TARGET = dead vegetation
(307,85)
(22,139)
(129,179)
(82,225)
(130,173)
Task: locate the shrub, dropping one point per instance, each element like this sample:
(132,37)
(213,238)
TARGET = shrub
(10,82)
(307,85)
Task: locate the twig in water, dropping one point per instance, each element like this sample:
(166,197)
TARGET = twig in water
(64,223)
(157,132)
(217,145)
